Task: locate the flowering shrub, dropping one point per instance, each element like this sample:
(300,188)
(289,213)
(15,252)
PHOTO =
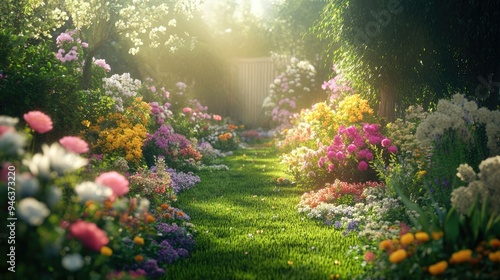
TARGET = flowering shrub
(154,185)
(122,89)
(224,137)
(182,181)
(364,208)
(290,91)
(69,47)
(121,134)
(178,151)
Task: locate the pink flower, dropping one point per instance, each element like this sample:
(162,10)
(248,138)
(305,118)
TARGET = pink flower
(392,149)
(85,45)
(386,142)
(321,162)
(114,180)
(89,234)
(351,148)
(340,155)
(362,166)
(74,144)
(330,155)
(187,110)
(331,167)
(369,256)
(37,120)
(102,63)
(369,155)
(217,118)
(153,89)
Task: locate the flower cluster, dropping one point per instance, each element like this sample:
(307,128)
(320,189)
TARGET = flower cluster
(178,151)
(485,186)
(160,113)
(69,47)
(122,134)
(182,181)
(223,137)
(290,90)
(122,89)
(461,117)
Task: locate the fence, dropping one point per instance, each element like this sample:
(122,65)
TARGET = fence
(249,82)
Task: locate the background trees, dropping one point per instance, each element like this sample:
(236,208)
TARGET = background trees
(413,51)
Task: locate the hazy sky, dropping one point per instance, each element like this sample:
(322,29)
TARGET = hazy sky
(258,6)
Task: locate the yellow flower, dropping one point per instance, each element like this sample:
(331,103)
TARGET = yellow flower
(397,256)
(438,268)
(407,238)
(106,251)
(461,256)
(139,240)
(422,236)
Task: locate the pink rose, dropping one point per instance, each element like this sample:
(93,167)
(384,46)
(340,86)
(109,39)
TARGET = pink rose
(74,144)
(37,120)
(114,180)
(217,118)
(89,234)
(187,110)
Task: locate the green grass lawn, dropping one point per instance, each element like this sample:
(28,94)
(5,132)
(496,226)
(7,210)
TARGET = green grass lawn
(249,228)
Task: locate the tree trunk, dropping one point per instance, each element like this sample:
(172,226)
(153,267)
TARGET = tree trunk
(387,105)
(87,71)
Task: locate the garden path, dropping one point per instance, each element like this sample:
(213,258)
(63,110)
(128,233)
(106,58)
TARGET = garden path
(248,227)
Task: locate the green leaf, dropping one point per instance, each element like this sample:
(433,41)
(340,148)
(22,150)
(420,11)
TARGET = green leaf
(452,226)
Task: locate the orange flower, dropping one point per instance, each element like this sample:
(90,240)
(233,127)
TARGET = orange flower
(139,240)
(461,256)
(495,243)
(167,216)
(494,257)
(438,268)
(149,218)
(139,258)
(385,245)
(180,213)
(422,236)
(106,251)
(437,235)
(407,238)
(397,256)
(164,206)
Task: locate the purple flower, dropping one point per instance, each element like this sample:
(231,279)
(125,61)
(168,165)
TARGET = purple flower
(337,224)
(152,269)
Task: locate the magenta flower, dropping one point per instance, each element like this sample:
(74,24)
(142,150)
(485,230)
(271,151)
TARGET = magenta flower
(74,144)
(321,162)
(351,148)
(392,149)
(386,142)
(362,166)
(89,234)
(114,180)
(330,155)
(331,167)
(340,156)
(369,155)
(37,120)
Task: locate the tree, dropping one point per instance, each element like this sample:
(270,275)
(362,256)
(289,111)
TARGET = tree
(396,51)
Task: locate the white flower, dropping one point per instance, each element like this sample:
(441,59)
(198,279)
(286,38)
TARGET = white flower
(61,160)
(12,143)
(72,262)
(32,211)
(39,165)
(92,191)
